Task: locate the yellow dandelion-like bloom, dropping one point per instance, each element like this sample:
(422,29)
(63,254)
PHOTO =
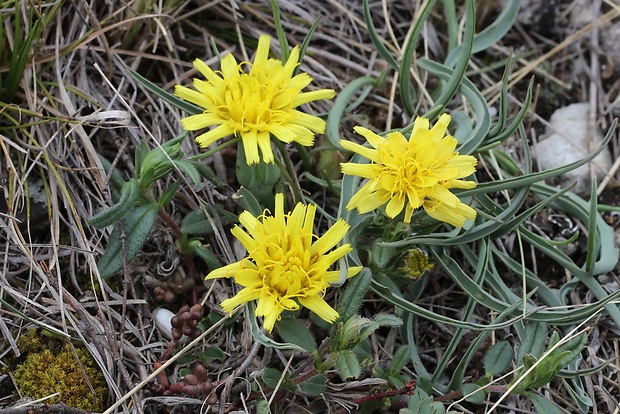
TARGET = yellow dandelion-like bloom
(418,172)
(287,265)
(254,105)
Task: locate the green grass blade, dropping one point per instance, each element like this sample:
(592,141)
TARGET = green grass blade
(20,56)
(284,46)
(306,42)
(165,95)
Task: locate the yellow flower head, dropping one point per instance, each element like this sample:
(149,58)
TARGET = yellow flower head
(286,266)
(254,105)
(413,173)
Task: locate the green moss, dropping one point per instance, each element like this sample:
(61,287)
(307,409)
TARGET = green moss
(47,372)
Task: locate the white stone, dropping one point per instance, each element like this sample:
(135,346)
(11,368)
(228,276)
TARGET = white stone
(567,141)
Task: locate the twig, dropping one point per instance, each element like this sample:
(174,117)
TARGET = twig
(229,381)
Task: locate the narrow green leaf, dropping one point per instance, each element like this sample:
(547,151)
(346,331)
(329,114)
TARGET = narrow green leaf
(579,395)
(498,358)
(336,114)
(382,255)
(578,207)
(354,294)
(293,331)
(381,319)
(247,200)
(169,193)
(505,133)
(491,34)
(376,39)
(502,113)
(284,47)
(400,359)
(571,350)
(137,225)
(481,109)
(130,194)
(416,309)
(205,254)
(452,85)
(539,177)
(592,252)
(556,317)
(19,57)
(116,180)
(189,168)
(190,108)
(406,89)
(306,42)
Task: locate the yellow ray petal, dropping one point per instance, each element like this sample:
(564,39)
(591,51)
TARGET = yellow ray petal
(317,305)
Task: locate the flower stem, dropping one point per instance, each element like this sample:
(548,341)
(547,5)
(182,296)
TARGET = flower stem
(290,173)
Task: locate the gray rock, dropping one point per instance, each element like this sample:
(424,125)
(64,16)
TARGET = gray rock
(567,142)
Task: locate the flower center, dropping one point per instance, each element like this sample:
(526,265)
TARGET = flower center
(403,172)
(287,272)
(251,102)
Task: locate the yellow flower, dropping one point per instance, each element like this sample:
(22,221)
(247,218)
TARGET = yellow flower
(254,105)
(413,173)
(287,264)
